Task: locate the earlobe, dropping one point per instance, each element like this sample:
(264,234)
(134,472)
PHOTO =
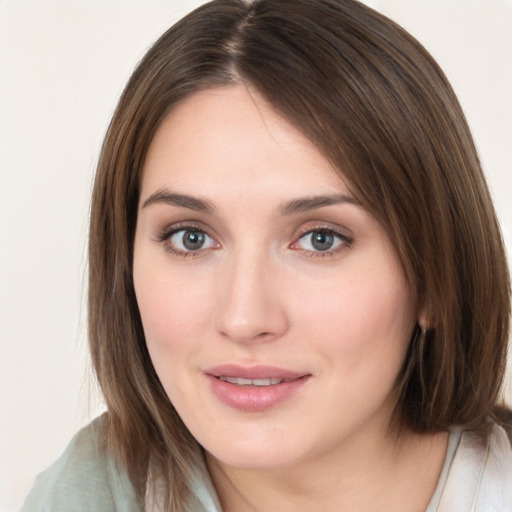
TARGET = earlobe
(424,319)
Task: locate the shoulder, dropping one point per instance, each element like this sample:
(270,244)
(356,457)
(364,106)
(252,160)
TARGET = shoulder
(480,475)
(83,478)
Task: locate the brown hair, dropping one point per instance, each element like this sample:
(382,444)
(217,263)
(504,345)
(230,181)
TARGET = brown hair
(377,105)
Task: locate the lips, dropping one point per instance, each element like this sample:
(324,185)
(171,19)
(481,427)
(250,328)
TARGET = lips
(253,372)
(255,388)
(250,382)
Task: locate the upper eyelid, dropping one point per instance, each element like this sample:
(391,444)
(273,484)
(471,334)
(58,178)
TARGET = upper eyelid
(326,226)
(171,229)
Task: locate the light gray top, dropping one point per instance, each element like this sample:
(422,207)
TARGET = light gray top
(479,476)
(476,477)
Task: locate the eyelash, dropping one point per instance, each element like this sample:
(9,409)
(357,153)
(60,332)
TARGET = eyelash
(346,241)
(166,234)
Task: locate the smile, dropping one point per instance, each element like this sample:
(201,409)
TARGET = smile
(255,388)
(240,381)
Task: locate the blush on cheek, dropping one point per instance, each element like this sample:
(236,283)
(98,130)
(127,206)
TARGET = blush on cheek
(175,313)
(367,318)
(169,323)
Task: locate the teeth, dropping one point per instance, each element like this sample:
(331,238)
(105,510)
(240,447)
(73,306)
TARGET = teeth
(251,382)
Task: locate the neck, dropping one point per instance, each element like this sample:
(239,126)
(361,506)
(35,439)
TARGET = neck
(376,473)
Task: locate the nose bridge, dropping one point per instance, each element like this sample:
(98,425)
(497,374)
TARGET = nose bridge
(249,306)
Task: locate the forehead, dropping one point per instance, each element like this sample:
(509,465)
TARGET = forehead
(232,137)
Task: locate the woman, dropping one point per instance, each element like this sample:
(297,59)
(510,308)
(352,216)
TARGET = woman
(298,288)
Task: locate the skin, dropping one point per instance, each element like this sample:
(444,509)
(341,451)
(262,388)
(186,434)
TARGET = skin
(260,292)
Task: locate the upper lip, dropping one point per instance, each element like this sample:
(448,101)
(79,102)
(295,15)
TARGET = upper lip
(254,372)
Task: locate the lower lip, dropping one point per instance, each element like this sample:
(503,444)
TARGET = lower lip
(254,398)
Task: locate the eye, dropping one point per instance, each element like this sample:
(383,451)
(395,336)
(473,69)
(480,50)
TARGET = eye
(187,240)
(322,240)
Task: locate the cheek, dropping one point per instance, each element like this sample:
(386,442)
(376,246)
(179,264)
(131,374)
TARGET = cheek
(172,308)
(174,314)
(360,320)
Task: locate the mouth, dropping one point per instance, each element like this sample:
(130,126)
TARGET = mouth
(260,375)
(256,388)
(240,381)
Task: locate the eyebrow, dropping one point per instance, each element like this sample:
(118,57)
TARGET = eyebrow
(312,203)
(182,200)
(292,207)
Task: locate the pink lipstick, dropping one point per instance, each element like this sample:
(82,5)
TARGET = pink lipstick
(254,388)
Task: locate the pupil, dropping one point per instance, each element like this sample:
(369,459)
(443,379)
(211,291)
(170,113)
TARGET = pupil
(193,240)
(322,241)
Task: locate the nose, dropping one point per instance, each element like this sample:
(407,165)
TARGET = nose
(251,303)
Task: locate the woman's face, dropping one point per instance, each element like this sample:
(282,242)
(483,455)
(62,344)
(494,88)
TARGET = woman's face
(275,308)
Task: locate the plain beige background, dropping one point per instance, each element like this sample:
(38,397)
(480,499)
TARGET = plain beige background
(62,67)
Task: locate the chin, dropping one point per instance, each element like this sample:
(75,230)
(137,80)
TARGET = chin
(256,461)
(255,456)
